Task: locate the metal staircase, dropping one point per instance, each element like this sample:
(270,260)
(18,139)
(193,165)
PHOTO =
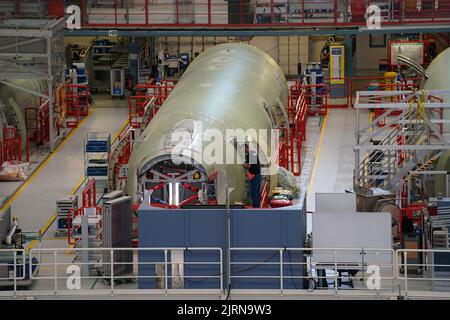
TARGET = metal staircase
(401,146)
(384,169)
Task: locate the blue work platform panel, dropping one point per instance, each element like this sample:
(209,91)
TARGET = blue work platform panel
(263,229)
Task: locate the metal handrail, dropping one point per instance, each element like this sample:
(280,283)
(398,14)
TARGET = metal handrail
(390,263)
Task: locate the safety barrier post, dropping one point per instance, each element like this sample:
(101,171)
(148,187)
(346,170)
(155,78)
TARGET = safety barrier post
(335,275)
(405,271)
(146,12)
(165,271)
(28,148)
(281,271)
(112,271)
(209,12)
(15,272)
(55,269)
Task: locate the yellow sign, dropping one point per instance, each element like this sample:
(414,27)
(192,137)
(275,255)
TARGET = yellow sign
(337,63)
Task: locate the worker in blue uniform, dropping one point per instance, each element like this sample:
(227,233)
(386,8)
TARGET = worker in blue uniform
(253,167)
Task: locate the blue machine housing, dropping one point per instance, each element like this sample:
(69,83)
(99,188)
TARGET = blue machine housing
(250,228)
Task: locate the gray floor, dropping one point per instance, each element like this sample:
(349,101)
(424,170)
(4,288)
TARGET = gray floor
(36,204)
(335,157)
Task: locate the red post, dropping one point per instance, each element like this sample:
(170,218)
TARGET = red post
(241,12)
(335,11)
(83,12)
(17,7)
(115,11)
(209,12)
(146,12)
(303,11)
(272,13)
(28,148)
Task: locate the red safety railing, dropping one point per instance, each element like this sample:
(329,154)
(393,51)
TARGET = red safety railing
(299,134)
(89,200)
(74,231)
(124,155)
(265,194)
(89,195)
(261,13)
(77,103)
(316,96)
(284,150)
(144,94)
(37,121)
(11,145)
(136,106)
(290,146)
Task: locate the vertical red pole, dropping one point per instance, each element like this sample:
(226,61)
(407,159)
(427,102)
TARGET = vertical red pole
(402,10)
(94,195)
(28,148)
(146,12)
(240,11)
(209,12)
(303,11)
(272,13)
(433,11)
(335,11)
(83,13)
(115,11)
(17,7)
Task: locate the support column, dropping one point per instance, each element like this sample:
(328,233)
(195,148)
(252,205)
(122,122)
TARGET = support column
(50,116)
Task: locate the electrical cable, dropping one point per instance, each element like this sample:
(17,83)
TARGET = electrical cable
(237,271)
(229,291)
(290,267)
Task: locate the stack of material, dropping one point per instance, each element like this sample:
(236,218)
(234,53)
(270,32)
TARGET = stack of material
(117,220)
(14,171)
(62,209)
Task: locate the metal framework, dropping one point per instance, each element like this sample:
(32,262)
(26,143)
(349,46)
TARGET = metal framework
(33,49)
(395,283)
(260,13)
(413,127)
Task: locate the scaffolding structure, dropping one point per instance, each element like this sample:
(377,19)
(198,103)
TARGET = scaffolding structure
(413,136)
(33,49)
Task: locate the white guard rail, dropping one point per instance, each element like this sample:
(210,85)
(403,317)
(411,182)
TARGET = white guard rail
(381,273)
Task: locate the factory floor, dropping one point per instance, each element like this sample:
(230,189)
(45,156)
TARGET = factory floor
(335,160)
(62,172)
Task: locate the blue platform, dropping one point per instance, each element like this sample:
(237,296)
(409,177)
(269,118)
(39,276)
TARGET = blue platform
(250,228)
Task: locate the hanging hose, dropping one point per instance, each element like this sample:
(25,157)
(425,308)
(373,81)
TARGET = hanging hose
(413,65)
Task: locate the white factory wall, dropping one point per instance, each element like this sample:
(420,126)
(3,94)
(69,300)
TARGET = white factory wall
(190,45)
(368,59)
(286,51)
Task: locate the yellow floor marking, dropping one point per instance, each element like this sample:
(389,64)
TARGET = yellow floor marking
(319,147)
(77,186)
(124,124)
(41,166)
(19,191)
